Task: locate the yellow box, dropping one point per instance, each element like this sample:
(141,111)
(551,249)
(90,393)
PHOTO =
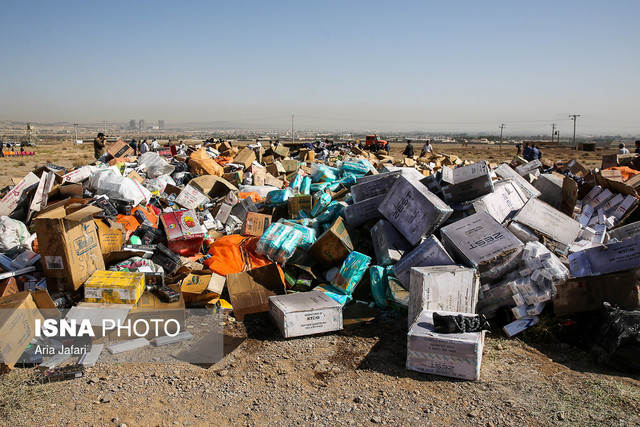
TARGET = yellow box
(120,287)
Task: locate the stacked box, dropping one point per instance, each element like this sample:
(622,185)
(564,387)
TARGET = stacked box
(366,210)
(119,287)
(414,210)
(428,253)
(479,241)
(466,183)
(373,185)
(450,288)
(449,355)
(389,245)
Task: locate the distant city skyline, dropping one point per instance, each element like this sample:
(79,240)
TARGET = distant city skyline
(461,66)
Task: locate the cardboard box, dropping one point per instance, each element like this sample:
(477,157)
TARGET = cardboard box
(234,178)
(243,207)
(249,290)
(529,167)
(17,195)
(448,355)
(120,149)
(299,203)
(190,197)
(273,181)
(625,231)
(18,314)
(213,186)
(550,222)
(389,245)
(428,253)
(305,313)
(184,232)
(256,224)
(480,241)
(334,245)
(588,293)
(69,246)
(550,187)
(258,174)
(507,199)
(307,155)
(373,185)
(116,287)
(449,288)
(613,257)
(8,287)
(111,235)
(201,163)
(413,210)
(466,183)
(362,212)
(505,172)
(150,307)
(245,157)
(290,165)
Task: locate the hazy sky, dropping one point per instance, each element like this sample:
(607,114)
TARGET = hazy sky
(401,65)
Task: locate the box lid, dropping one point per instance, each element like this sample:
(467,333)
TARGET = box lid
(303,301)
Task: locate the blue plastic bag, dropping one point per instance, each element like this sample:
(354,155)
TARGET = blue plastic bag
(351,272)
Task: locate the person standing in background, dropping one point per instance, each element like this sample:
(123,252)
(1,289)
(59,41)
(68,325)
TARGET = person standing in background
(98,145)
(408,150)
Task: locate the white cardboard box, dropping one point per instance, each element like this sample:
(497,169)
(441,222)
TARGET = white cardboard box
(481,242)
(450,287)
(389,245)
(449,355)
(305,313)
(414,210)
(426,254)
(506,199)
(549,221)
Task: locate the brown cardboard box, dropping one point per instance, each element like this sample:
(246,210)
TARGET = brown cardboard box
(69,245)
(149,306)
(307,155)
(245,157)
(256,224)
(196,282)
(234,178)
(8,287)
(213,186)
(299,203)
(202,164)
(273,181)
(119,149)
(258,173)
(249,291)
(110,234)
(18,314)
(334,245)
(290,165)
(135,176)
(267,160)
(588,293)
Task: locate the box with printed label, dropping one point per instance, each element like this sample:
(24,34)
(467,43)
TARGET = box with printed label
(184,232)
(69,245)
(305,313)
(119,287)
(449,355)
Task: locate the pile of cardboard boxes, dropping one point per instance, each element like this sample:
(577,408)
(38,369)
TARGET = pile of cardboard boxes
(259,231)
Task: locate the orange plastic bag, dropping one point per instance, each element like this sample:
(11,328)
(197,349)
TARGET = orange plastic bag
(627,172)
(130,223)
(234,254)
(254,196)
(149,213)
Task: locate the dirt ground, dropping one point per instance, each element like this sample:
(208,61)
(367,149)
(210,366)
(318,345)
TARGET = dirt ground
(356,376)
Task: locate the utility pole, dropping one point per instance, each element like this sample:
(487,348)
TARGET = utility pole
(75,126)
(292,137)
(553,131)
(501,127)
(574,117)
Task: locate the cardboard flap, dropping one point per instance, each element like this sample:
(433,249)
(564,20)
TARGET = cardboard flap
(81,214)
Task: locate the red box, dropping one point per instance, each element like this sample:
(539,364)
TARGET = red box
(184,232)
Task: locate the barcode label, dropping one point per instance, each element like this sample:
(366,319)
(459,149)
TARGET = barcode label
(54,262)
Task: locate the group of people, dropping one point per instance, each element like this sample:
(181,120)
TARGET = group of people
(138,147)
(531,152)
(624,150)
(427,148)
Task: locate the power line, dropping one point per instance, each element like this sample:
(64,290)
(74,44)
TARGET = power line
(574,117)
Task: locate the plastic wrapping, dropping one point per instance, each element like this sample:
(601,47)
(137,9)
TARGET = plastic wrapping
(305,187)
(12,233)
(308,233)
(379,285)
(323,173)
(334,294)
(357,166)
(351,272)
(278,197)
(322,202)
(296,183)
(279,242)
